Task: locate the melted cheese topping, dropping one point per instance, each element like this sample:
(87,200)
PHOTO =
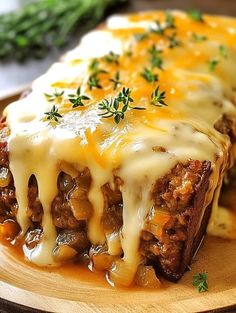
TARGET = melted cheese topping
(196,98)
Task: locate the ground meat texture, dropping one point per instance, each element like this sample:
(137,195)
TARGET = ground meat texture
(176,190)
(113,208)
(62,214)
(180,196)
(35,209)
(226,126)
(75,238)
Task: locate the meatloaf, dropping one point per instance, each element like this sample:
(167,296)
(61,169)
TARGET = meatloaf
(117,156)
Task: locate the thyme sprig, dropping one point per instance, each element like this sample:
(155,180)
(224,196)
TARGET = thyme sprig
(198,38)
(149,75)
(94,81)
(117,107)
(116,80)
(160,29)
(77,99)
(200,281)
(158,97)
(56,95)
(223,53)
(173,41)
(53,114)
(141,37)
(156,60)
(195,15)
(213,64)
(112,58)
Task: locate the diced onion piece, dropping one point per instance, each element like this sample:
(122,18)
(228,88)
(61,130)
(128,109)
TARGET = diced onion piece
(5,177)
(82,209)
(146,277)
(122,273)
(9,230)
(68,169)
(64,253)
(103,261)
(157,222)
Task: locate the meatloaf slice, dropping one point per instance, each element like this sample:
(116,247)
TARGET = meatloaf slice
(173,228)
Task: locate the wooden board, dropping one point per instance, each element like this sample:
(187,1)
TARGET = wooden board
(64,291)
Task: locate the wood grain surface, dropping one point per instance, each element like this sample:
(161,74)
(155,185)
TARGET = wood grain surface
(59,291)
(62,290)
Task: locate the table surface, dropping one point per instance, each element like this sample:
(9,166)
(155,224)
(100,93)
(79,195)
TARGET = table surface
(13,75)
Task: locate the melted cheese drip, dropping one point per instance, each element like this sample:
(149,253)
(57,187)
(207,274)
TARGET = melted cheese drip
(196,99)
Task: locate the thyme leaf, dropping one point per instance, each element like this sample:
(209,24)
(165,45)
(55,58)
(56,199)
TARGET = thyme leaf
(117,107)
(223,51)
(112,58)
(156,60)
(158,97)
(195,15)
(213,64)
(173,41)
(77,99)
(149,75)
(200,281)
(141,37)
(94,81)
(53,114)
(54,96)
(116,80)
(198,38)
(161,28)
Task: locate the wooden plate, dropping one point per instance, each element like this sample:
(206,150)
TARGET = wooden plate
(78,290)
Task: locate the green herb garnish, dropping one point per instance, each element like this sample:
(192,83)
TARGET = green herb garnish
(158,97)
(156,60)
(53,114)
(149,75)
(213,64)
(169,23)
(195,15)
(170,20)
(42,25)
(141,37)
(116,80)
(198,38)
(174,42)
(94,81)
(54,96)
(77,99)
(117,107)
(112,58)
(200,281)
(223,51)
